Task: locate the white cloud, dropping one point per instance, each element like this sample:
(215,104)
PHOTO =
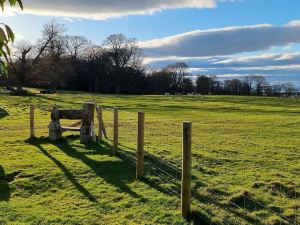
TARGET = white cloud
(70,20)
(232,75)
(8,12)
(289,56)
(268,68)
(254,61)
(247,59)
(196,70)
(293,23)
(104,9)
(19,37)
(282,66)
(223,41)
(270,59)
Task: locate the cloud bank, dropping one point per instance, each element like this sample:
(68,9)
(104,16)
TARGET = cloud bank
(223,41)
(220,52)
(276,67)
(105,9)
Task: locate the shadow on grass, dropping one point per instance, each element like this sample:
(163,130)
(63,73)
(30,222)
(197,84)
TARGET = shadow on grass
(239,212)
(63,168)
(119,173)
(4,186)
(166,178)
(159,175)
(3,113)
(115,172)
(55,99)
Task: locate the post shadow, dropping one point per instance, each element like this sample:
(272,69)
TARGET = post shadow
(37,142)
(4,186)
(154,167)
(3,113)
(172,175)
(116,173)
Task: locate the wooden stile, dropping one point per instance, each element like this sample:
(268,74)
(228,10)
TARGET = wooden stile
(76,124)
(86,130)
(94,138)
(101,123)
(70,114)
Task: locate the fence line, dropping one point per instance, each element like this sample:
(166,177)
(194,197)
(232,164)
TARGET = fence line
(160,139)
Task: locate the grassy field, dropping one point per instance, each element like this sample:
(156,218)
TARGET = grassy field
(246,162)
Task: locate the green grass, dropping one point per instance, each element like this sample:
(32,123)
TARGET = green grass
(246,160)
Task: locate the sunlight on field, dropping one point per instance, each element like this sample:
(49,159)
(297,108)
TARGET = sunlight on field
(246,160)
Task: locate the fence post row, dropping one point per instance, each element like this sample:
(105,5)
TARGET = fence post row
(32,133)
(186,170)
(186,152)
(116,130)
(140,146)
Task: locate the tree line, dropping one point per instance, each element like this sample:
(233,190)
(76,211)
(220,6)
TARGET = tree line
(59,61)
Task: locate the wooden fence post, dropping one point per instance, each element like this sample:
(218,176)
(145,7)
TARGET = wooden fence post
(86,129)
(116,130)
(32,133)
(186,170)
(100,111)
(140,146)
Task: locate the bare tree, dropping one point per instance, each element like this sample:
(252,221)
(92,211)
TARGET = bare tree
(276,89)
(256,84)
(51,34)
(26,55)
(260,83)
(249,81)
(289,88)
(124,53)
(179,68)
(75,45)
(178,72)
(20,54)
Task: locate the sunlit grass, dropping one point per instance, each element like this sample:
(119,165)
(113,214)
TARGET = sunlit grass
(242,146)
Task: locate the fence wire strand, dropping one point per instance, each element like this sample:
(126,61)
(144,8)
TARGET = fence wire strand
(163,166)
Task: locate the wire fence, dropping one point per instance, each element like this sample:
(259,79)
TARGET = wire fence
(159,168)
(215,201)
(227,183)
(234,183)
(161,141)
(17,119)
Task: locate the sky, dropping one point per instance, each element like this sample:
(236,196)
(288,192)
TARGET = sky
(227,38)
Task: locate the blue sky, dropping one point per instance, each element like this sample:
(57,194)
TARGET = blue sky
(203,38)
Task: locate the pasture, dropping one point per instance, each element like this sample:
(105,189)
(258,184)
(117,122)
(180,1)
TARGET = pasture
(245,154)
